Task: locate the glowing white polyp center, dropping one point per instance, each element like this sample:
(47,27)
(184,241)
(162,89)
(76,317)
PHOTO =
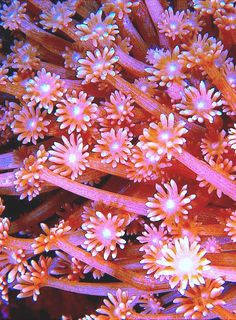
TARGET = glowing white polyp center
(106,233)
(170,204)
(173,25)
(45,88)
(115,146)
(164,136)
(98,66)
(72,158)
(99,28)
(31,124)
(25,58)
(172,67)
(76,111)
(185,264)
(201,104)
(120,107)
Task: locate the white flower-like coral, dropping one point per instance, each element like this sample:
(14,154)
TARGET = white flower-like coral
(69,158)
(161,139)
(104,233)
(169,204)
(182,263)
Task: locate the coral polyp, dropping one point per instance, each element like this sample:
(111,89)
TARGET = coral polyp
(117,159)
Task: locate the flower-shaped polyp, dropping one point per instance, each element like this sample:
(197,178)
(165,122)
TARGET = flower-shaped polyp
(214,147)
(77,112)
(152,236)
(231,226)
(166,67)
(210,7)
(169,205)
(144,168)
(45,241)
(13,262)
(96,66)
(103,233)
(30,283)
(69,158)
(120,7)
(198,301)
(183,262)
(28,181)
(118,307)
(30,124)
(202,50)
(173,25)
(12,15)
(199,104)
(119,108)
(71,58)
(161,139)
(100,32)
(45,89)
(58,17)
(150,304)
(24,56)
(150,259)
(114,146)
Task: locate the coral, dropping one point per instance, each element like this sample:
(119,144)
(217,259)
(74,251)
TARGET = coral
(204,49)
(97,66)
(31,282)
(44,89)
(214,146)
(104,233)
(117,119)
(114,146)
(12,15)
(24,56)
(183,262)
(161,139)
(27,180)
(100,32)
(119,108)
(198,301)
(173,24)
(231,226)
(225,166)
(30,124)
(120,7)
(69,158)
(76,111)
(166,67)
(169,205)
(119,306)
(199,104)
(58,17)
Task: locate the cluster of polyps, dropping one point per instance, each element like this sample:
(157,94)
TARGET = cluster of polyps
(130,105)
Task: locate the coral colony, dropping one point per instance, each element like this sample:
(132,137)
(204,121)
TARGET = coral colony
(117,128)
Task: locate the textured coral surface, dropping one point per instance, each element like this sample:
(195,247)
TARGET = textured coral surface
(117,159)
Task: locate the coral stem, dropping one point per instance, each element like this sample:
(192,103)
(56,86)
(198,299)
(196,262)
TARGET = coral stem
(202,169)
(223,313)
(136,280)
(131,204)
